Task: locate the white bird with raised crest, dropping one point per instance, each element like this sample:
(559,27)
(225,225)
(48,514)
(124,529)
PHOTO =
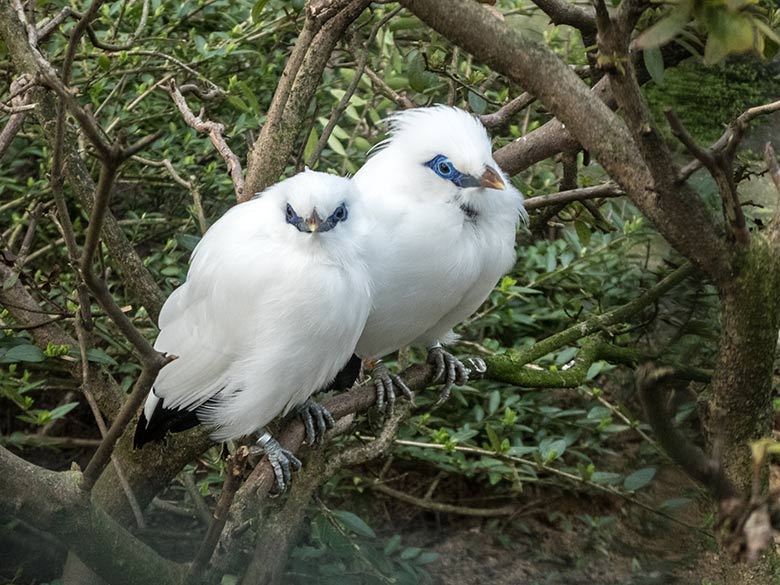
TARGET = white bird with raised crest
(447,219)
(276,297)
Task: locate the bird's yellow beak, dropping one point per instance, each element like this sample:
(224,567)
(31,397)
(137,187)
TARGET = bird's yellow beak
(490,179)
(314,221)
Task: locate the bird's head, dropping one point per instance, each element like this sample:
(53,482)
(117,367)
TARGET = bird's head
(316,205)
(444,153)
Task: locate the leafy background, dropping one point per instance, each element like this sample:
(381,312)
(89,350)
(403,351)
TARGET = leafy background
(577,464)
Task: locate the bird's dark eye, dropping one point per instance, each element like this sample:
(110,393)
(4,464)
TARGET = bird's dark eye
(341,213)
(290,213)
(444,168)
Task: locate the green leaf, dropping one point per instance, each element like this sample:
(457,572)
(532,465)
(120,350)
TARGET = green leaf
(426,557)
(495,442)
(238,103)
(311,144)
(22,353)
(10,281)
(551,450)
(62,410)
(494,402)
(257,9)
(354,523)
(335,144)
(99,356)
(594,370)
(410,553)
(654,62)
(393,544)
(477,103)
(605,477)
(639,479)
(665,29)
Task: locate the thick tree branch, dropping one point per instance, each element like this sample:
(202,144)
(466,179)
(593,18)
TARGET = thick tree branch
(649,383)
(287,114)
(52,501)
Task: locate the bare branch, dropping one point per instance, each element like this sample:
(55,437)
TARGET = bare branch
(235,469)
(505,113)
(649,382)
(380,86)
(429,504)
(562,12)
(719,166)
(46,28)
(19,88)
(730,139)
(774,172)
(214,131)
(344,101)
(287,114)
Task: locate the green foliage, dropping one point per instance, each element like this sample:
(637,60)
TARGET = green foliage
(342,549)
(731,88)
(731,26)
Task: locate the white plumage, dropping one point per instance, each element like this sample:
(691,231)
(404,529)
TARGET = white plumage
(269,312)
(439,248)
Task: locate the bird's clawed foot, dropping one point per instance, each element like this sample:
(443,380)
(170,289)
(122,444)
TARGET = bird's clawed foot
(317,419)
(282,461)
(386,384)
(453,370)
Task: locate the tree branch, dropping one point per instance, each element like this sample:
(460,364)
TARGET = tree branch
(561,12)
(19,89)
(509,367)
(214,131)
(287,114)
(505,113)
(52,501)
(719,166)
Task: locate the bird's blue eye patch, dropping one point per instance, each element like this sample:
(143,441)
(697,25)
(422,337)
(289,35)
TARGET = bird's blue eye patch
(341,214)
(442,166)
(291,216)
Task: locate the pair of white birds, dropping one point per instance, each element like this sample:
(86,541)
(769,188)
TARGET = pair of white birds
(283,289)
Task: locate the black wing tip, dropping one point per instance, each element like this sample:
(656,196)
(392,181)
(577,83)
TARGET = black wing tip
(347,376)
(162,421)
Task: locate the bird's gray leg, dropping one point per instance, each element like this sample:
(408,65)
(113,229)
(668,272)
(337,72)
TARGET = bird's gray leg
(282,461)
(316,418)
(385,383)
(454,371)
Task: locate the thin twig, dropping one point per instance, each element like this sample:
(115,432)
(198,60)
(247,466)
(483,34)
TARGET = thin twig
(774,172)
(214,131)
(719,166)
(433,506)
(505,113)
(19,88)
(344,101)
(235,469)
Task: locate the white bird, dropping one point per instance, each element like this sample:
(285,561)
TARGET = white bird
(275,299)
(445,234)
